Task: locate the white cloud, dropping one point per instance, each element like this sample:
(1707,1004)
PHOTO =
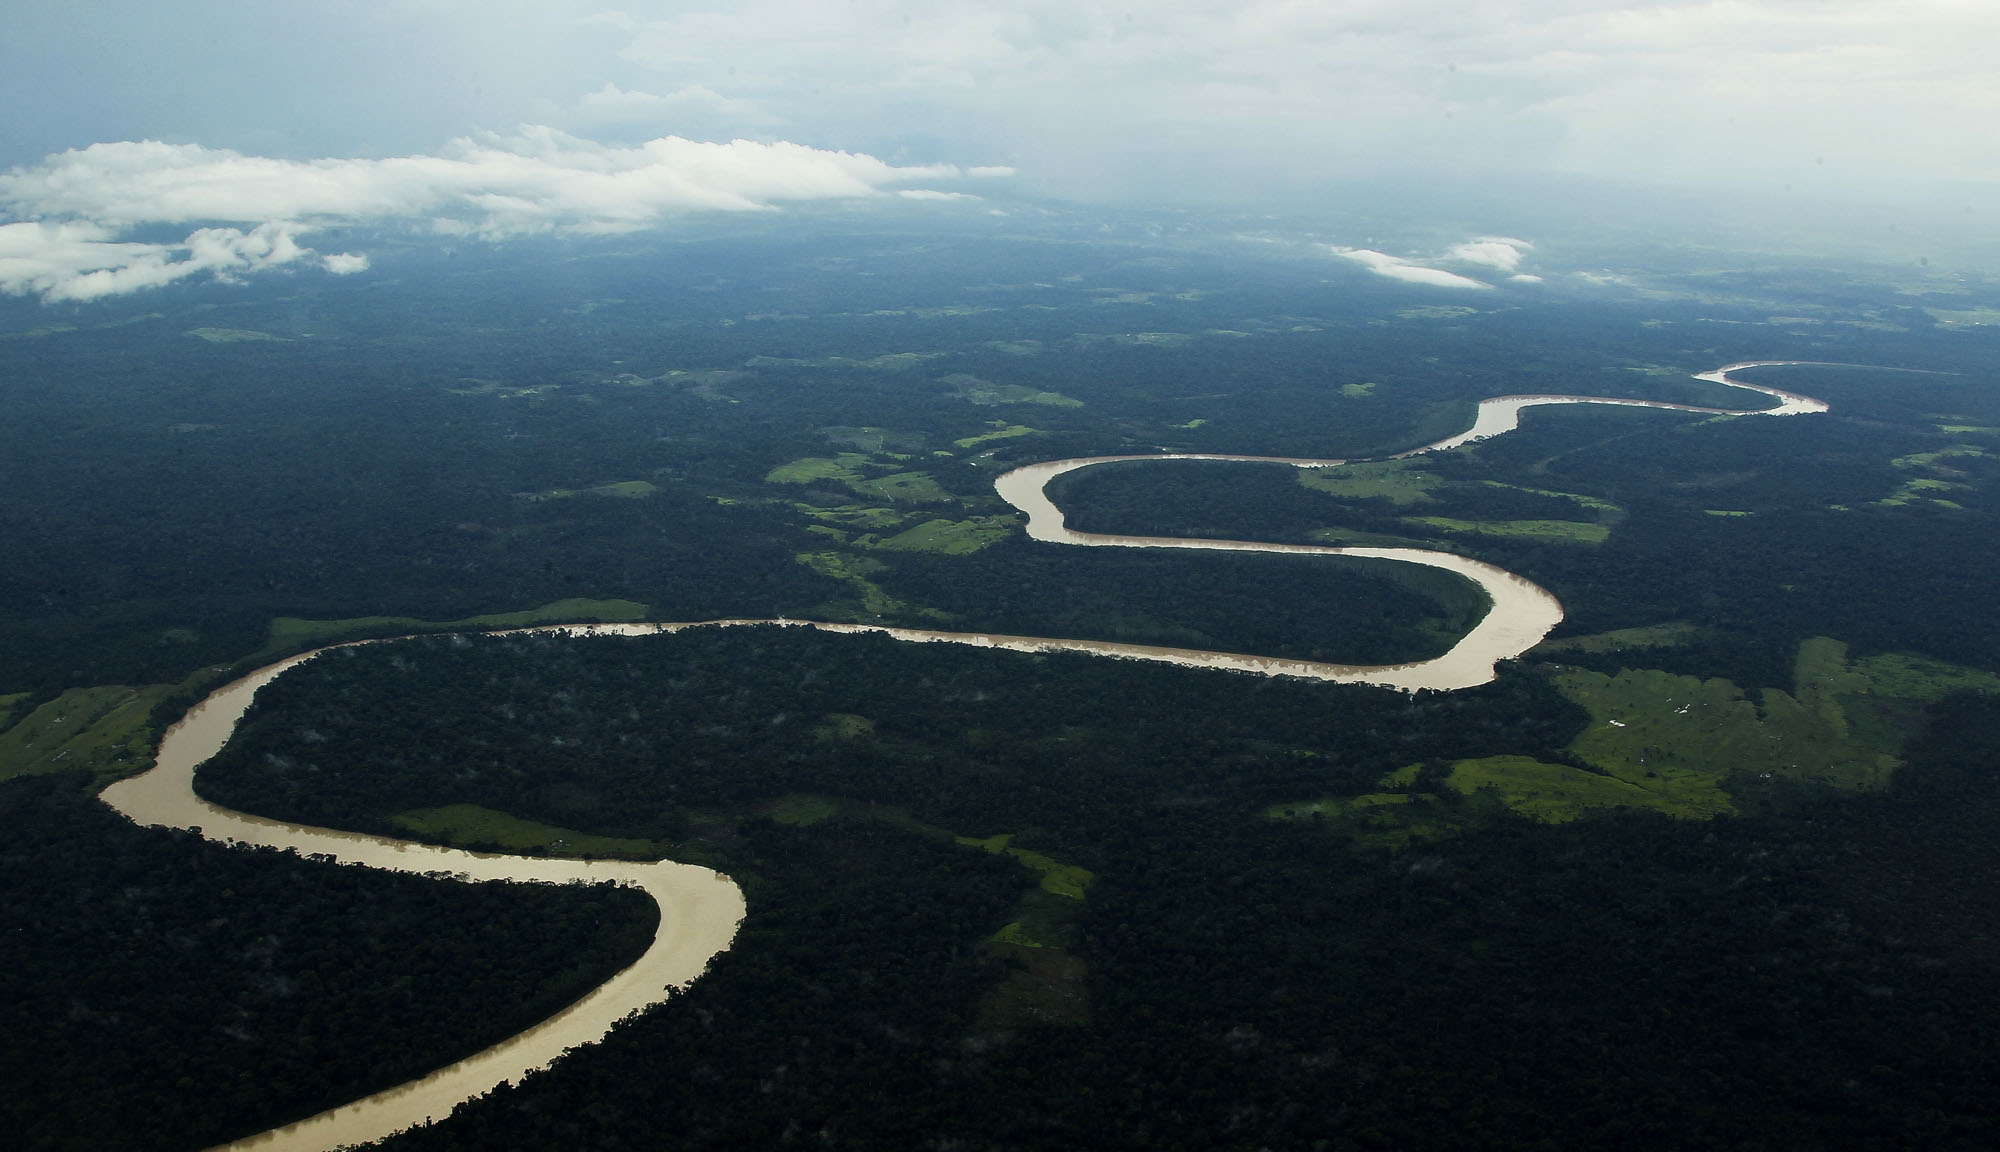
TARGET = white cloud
(72,207)
(80,261)
(934,194)
(344,263)
(1497,252)
(1397,268)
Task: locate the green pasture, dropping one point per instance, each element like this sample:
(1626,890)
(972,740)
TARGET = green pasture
(469,825)
(1005,431)
(870,601)
(952,537)
(1542,531)
(1559,793)
(987,393)
(1400,482)
(104,730)
(852,470)
(855,515)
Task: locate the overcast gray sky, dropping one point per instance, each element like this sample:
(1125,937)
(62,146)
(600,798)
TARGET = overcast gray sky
(259,121)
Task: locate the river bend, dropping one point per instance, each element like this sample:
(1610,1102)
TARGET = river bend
(700,909)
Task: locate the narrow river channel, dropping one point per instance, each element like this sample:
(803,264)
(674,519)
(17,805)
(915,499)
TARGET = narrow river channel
(699,908)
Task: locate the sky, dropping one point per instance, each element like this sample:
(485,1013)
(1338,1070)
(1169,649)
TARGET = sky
(150,142)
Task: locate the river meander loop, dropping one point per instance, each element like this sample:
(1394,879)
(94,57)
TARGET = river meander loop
(700,909)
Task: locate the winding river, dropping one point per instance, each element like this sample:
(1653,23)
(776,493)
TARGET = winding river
(699,908)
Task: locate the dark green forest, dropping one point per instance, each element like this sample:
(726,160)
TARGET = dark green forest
(1000,900)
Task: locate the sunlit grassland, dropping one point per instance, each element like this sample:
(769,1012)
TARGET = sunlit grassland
(1559,793)
(1400,482)
(870,601)
(952,537)
(470,825)
(1674,744)
(1541,531)
(853,471)
(986,393)
(105,730)
(1005,431)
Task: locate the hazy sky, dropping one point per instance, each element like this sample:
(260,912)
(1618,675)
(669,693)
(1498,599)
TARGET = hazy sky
(498,116)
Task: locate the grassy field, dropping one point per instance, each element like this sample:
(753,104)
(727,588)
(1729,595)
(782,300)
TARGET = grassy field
(469,825)
(1004,431)
(952,537)
(104,730)
(1559,793)
(987,393)
(852,470)
(1545,531)
(1400,482)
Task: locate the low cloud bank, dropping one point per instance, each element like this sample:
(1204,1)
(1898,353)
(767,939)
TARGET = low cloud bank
(1397,268)
(70,211)
(1490,253)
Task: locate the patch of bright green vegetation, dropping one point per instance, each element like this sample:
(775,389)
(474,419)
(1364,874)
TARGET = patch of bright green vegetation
(1558,793)
(1436,312)
(1058,879)
(1725,512)
(622,489)
(1590,502)
(857,515)
(289,633)
(462,825)
(1545,531)
(1968,430)
(871,603)
(1653,636)
(907,487)
(104,730)
(1400,482)
(1918,678)
(1001,431)
(1647,721)
(232,335)
(1195,423)
(1357,391)
(952,537)
(849,469)
(986,392)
